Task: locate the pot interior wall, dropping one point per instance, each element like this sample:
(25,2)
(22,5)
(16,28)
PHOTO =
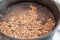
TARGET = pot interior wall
(47,3)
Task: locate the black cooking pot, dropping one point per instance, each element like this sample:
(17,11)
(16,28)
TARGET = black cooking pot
(47,3)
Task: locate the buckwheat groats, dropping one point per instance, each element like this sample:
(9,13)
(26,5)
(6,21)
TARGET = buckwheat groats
(27,22)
